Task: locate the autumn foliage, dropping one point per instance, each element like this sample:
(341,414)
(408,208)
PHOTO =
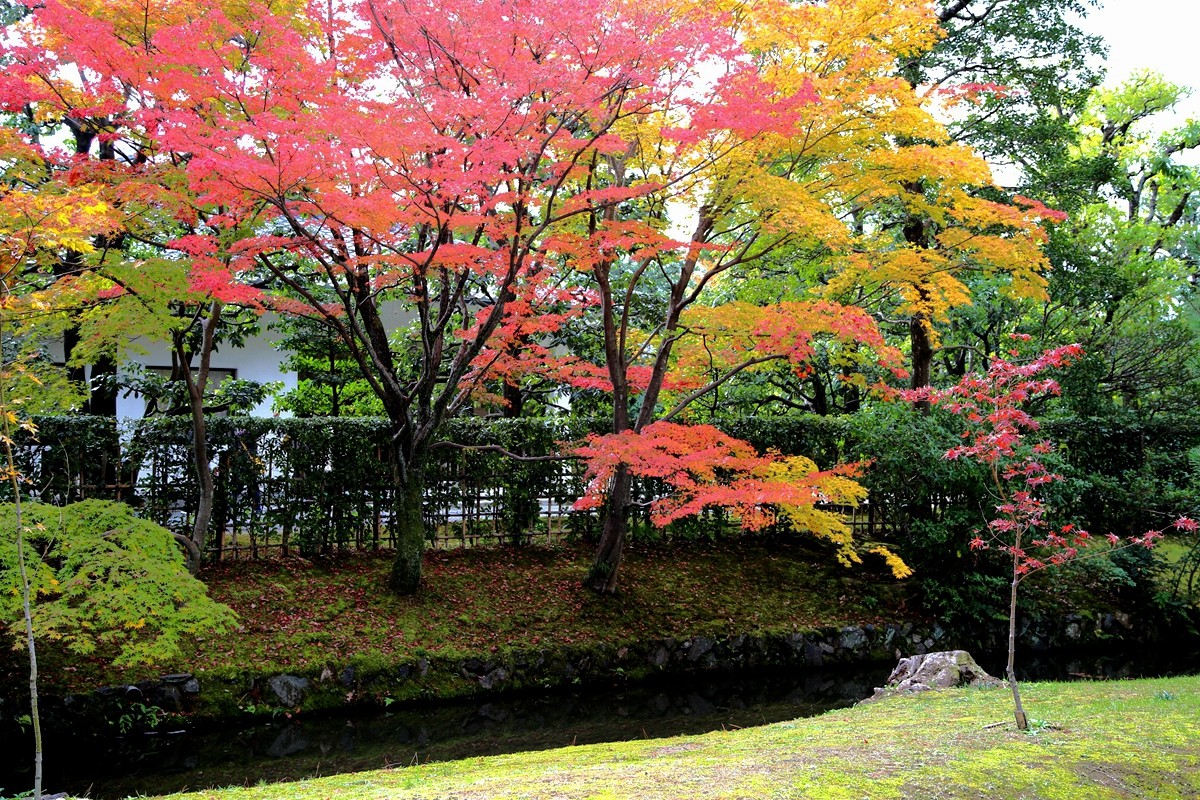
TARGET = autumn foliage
(443,186)
(996,410)
(704,468)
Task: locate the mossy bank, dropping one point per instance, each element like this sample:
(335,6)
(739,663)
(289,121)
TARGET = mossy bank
(319,636)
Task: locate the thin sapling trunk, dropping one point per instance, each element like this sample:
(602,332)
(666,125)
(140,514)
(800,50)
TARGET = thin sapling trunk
(1010,672)
(26,593)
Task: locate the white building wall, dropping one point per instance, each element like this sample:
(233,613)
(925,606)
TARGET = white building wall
(258,360)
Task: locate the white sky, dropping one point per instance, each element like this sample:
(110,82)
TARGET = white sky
(1152,34)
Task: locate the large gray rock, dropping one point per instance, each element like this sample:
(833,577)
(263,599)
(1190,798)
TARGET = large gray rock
(492,679)
(290,689)
(941,670)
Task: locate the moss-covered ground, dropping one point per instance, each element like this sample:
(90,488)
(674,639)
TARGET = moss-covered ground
(297,615)
(1114,740)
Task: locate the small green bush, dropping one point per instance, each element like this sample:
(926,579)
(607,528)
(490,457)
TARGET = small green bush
(102,577)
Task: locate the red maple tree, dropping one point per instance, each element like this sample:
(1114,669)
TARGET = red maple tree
(438,167)
(995,407)
(442,183)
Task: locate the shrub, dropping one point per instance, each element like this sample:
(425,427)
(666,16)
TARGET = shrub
(105,578)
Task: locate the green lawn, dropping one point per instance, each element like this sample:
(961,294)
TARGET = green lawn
(1121,739)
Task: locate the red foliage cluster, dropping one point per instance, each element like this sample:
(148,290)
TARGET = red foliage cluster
(705,468)
(995,407)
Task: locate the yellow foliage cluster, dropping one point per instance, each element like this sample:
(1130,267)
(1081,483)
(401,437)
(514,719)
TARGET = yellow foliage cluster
(138,21)
(834,489)
(865,150)
(842,54)
(37,214)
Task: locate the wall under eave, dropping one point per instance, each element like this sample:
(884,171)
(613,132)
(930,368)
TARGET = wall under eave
(258,360)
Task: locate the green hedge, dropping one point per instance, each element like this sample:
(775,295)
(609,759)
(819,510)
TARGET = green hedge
(315,486)
(311,486)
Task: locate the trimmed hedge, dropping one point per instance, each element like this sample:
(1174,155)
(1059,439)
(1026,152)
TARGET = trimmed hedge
(315,486)
(311,486)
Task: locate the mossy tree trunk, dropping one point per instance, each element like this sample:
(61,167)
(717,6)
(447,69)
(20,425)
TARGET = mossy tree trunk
(602,577)
(921,341)
(408,531)
(196,382)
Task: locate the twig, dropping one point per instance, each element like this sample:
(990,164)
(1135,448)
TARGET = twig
(495,448)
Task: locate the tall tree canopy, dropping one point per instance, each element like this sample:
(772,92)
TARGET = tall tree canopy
(487,170)
(1126,262)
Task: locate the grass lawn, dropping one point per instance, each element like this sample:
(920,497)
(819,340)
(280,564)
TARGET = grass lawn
(1121,739)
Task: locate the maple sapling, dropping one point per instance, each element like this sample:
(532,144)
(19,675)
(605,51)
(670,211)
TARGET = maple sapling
(998,422)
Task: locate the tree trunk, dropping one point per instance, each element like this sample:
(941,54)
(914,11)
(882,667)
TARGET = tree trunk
(1010,672)
(102,395)
(919,233)
(820,398)
(196,385)
(514,400)
(408,531)
(204,476)
(602,577)
(102,388)
(922,355)
(70,339)
(191,552)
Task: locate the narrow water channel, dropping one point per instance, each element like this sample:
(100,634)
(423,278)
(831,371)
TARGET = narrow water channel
(291,749)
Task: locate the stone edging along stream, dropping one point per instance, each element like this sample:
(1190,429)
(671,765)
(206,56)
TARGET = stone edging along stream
(232,693)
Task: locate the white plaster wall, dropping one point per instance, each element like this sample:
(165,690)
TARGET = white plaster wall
(258,360)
